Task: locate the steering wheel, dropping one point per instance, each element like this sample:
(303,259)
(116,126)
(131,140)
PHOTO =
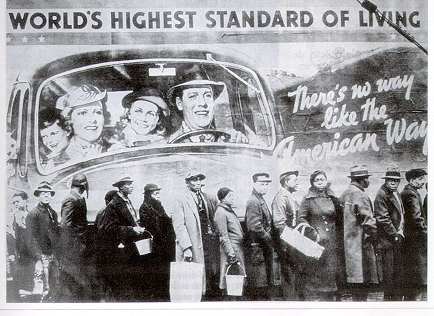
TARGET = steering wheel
(218,135)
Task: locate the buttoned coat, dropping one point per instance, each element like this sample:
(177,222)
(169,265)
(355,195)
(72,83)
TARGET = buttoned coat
(258,219)
(415,232)
(186,223)
(43,230)
(388,215)
(322,213)
(359,224)
(231,238)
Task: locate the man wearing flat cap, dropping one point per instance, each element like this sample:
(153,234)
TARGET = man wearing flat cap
(194,94)
(196,236)
(359,233)
(284,208)
(389,213)
(260,231)
(155,220)
(120,229)
(44,235)
(415,232)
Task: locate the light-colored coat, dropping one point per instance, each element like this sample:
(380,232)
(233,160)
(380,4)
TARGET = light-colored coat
(186,223)
(359,223)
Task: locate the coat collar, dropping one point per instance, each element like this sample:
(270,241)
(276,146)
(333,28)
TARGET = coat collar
(312,193)
(358,186)
(226,207)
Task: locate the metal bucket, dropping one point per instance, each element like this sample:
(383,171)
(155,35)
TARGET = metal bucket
(144,246)
(235,282)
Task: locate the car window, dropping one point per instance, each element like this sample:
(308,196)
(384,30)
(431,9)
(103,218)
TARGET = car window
(117,107)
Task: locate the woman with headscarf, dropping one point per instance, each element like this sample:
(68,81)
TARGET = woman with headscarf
(145,120)
(320,210)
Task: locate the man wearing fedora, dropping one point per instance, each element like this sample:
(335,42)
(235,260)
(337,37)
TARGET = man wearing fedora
(415,232)
(196,236)
(155,220)
(260,234)
(284,208)
(359,235)
(389,213)
(119,230)
(194,94)
(44,234)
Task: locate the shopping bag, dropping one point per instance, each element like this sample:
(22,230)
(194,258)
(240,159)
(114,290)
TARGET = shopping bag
(186,281)
(296,239)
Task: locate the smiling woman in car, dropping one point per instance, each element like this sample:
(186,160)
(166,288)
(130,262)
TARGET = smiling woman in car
(84,109)
(145,120)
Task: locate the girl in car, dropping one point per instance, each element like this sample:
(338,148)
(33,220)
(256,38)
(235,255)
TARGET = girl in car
(145,121)
(55,134)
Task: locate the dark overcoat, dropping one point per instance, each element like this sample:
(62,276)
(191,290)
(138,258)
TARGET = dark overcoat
(415,232)
(321,212)
(43,231)
(73,227)
(388,215)
(359,224)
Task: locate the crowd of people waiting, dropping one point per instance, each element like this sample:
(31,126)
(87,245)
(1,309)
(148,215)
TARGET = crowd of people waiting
(379,247)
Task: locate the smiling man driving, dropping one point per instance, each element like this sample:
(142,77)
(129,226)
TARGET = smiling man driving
(194,95)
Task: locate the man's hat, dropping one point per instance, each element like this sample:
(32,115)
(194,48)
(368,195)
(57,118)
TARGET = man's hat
(44,186)
(261,177)
(147,94)
(79,96)
(120,182)
(359,171)
(195,175)
(151,187)
(392,173)
(79,179)
(414,173)
(194,76)
(287,173)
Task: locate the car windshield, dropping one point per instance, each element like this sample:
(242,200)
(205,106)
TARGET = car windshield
(125,106)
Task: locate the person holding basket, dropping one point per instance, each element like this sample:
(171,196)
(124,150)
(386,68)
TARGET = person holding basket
(230,235)
(320,210)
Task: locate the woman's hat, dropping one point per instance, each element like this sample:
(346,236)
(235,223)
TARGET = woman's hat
(120,182)
(79,96)
(194,76)
(44,186)
(359,171)
(392,173)
(151,187)
(148,94)
(222,192)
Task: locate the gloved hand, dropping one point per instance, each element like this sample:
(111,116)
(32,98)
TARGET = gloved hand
(188,255)
(232,259)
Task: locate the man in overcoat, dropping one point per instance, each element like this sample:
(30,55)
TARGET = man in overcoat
(119,230)
(196,237)
(77,273)
(415,232)
(43,228)
(259,228)
(359,234)
(284,208)
(389,213)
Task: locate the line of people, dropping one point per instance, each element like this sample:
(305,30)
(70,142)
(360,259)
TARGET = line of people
(366,246)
